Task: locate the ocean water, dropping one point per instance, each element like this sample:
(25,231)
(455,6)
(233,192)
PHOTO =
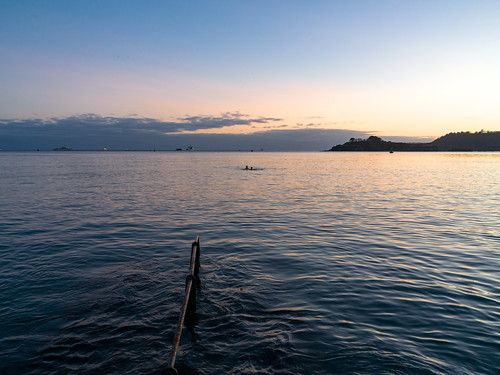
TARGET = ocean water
(314,263)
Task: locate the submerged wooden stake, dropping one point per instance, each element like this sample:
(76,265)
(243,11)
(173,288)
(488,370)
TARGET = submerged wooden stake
(188,309)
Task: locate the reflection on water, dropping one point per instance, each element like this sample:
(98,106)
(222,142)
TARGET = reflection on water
(324,263)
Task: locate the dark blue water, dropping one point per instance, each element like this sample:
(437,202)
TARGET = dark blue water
(317,263)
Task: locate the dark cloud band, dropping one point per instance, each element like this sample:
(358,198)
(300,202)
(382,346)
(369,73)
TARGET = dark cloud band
(89,122)
(93,132)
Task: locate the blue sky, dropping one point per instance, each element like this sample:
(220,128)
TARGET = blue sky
(394,68)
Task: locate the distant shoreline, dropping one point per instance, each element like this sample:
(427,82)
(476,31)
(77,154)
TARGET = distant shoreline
(235,151)
(483,141)
(452,142)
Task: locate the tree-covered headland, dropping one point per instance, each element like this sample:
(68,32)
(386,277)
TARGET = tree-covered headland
(460,141)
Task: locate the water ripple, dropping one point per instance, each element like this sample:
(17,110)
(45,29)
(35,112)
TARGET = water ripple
(318,263)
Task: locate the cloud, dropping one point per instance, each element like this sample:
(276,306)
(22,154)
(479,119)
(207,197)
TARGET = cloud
(224,120)
(92,132)
(91,122)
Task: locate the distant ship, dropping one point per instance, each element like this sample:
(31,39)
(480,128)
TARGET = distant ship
(188,148)
(62,149)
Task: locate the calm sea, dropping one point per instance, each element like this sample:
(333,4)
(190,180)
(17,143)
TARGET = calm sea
(313,263)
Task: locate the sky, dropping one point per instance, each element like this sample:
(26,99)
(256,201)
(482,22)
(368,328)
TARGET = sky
(228,71)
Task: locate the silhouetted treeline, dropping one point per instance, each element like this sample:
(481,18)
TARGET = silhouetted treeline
(463,141)
(467,141)
(374,143)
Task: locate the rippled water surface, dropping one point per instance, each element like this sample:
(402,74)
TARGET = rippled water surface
(316,263)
